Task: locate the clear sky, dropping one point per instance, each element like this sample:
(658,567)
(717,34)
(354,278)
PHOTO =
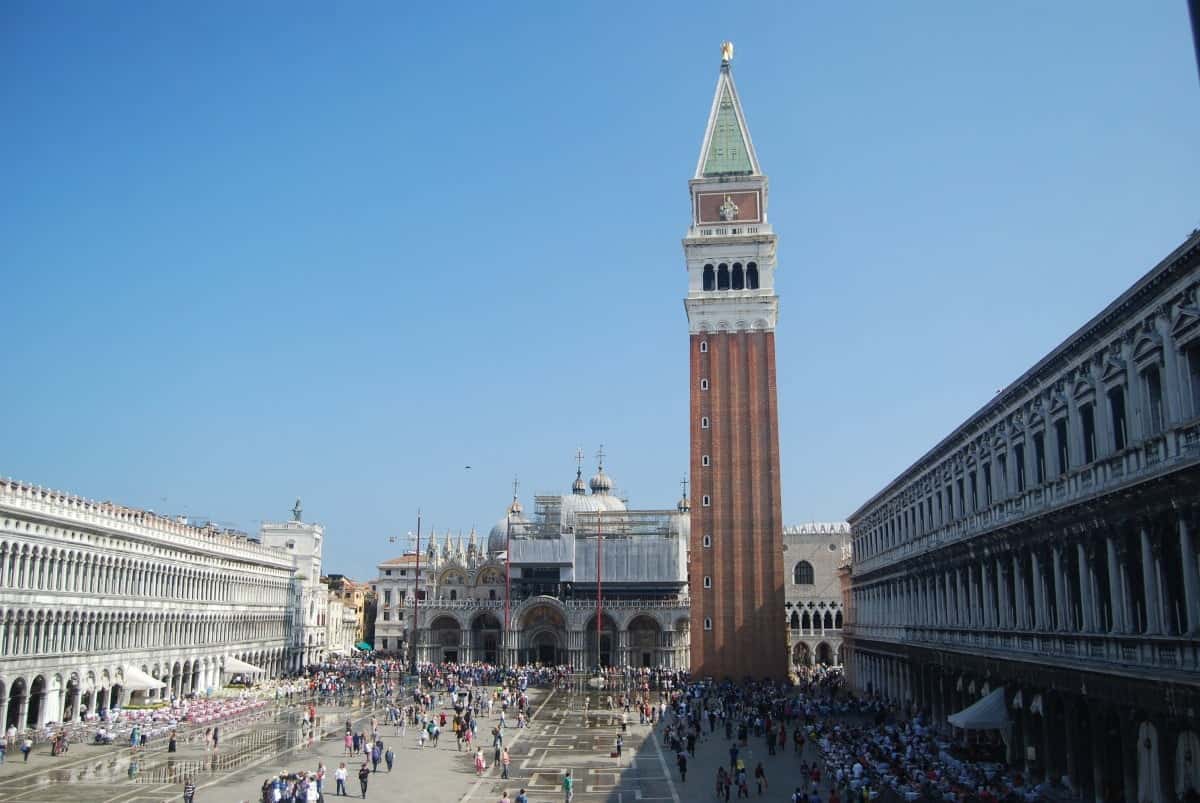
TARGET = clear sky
(255,251)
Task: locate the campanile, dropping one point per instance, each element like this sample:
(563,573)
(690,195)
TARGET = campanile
(736,563)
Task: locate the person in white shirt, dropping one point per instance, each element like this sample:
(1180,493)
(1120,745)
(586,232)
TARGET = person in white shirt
(340,776)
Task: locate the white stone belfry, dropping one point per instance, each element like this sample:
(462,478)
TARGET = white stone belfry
(730,246)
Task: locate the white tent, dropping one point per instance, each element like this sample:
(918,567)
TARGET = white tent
(240,667)
(987,713)
(137,680)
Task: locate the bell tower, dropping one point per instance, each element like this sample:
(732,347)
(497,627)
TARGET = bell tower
(736,562)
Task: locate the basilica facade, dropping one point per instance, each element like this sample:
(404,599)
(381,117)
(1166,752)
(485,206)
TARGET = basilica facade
(1041,562)
(582,582)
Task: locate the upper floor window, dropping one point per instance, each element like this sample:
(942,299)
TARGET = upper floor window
(1154,400)
(751,276)
(703,346)
(710,281)
(722,276)
(707,623)
(704,384)
(707,541)
(704,422)
(705,501)
(1064,447)
(1039,457)
(1019,457)
(1193,364)
(1116,408)
(1087,420)
(707,581)
(802,575)
(739,278)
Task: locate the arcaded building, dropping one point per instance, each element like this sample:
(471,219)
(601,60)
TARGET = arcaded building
(736,559)
(103,605)
(1043,556)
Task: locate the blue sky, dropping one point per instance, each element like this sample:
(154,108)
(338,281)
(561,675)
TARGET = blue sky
(250,252)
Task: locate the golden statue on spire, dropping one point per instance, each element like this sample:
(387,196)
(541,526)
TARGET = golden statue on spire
(726,52)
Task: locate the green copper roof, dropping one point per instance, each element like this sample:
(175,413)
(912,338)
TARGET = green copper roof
(727,148)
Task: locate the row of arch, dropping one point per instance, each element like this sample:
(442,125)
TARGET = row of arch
(34,699)
(824,655)
(723,277)
(541,635)
(38,568)
(803,620)
(29,632)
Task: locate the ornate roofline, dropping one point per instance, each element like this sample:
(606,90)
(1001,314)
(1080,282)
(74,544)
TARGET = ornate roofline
(1182,258)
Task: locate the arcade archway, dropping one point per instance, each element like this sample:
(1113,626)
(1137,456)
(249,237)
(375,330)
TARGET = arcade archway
(485,638)
(643,641)
(543,636)
(446,638)
(601,645)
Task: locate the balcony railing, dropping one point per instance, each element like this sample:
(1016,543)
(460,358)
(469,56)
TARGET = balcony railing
(1159,454)
(1112,650)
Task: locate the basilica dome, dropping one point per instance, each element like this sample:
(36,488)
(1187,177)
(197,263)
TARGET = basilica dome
(498,536)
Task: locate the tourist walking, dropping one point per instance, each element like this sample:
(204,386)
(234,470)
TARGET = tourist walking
(480,764)
(760,777)
(339,775)
(568,787)
(389,757)
(505,760)
(364,774)
(189,791)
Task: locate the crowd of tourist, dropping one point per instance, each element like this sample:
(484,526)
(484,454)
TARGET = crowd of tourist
(846,747)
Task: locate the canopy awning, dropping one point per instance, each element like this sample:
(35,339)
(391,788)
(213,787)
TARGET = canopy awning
(987,713)
(362,645)
(240,667)
(137,680)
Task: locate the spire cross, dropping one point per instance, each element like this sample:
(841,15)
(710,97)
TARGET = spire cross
(516,485)
(600,457)
(579,459)
(683,484)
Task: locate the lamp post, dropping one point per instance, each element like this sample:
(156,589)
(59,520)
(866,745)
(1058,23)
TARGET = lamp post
(599,570)
(507,585)
(417,597)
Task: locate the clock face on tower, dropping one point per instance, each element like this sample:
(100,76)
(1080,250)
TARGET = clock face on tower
(742,206)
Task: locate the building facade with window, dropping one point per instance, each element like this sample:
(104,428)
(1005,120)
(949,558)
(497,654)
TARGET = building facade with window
(585,581)
(395,594)
(304,542)
(103,605)
(1045,552)
(813,554)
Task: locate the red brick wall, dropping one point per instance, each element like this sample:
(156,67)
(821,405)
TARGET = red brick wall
(745,520)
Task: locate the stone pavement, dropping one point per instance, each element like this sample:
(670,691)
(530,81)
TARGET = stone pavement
(559,737)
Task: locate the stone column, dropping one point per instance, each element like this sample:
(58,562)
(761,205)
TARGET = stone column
(1060,591)
(1088,625)
(985,594)
(1115,591)
(1191,578)
(1150,584)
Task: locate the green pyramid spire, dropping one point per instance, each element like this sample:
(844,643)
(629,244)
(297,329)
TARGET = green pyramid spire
(727,151)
